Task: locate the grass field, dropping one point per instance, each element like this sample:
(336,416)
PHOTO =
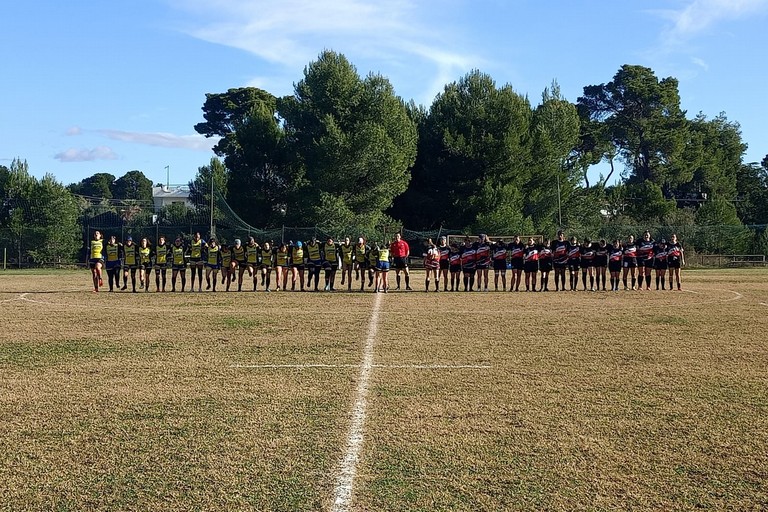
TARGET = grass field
(482,401)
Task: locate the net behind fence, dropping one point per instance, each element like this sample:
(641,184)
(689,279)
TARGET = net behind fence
(27,238)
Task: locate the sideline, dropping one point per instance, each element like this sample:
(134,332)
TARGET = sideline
(346,479)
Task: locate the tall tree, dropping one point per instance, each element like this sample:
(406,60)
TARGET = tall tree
(714,151)
(133,185)
(255,154)
(645,123)
(554,134)
(474,158)
(351,144)
(98,185)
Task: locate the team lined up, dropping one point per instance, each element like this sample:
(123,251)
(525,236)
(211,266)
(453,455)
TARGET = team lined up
(631,262)
(294,261)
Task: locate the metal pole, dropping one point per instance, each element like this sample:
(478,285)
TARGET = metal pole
(213,229)
(167,176)
(5,258)
(559,208)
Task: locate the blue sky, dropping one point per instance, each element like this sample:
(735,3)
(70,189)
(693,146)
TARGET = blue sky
(93,86)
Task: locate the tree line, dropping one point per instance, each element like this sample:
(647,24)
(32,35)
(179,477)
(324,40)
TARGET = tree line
(345,150)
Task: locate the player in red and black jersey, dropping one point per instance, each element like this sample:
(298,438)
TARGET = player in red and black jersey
(500,264)
(468,260)
(431,265)
(482,262)
(629,260)
(588,264)
(545,264)
(454,265)
(675,260)
(660,263)
(601,262)
(645,260)
(531,265)
(445,251)
(516,250)
(560,260)
(574,262)
(615,258)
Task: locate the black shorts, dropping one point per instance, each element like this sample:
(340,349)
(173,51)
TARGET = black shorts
(482,266)
(630,263)
(500,265)
(673,263)
(95,261)
(661,265)
(455,269)
(573,265)
(558,265)
(160,266)
(587,263)
(399,263)
(298,266)
(601,262)
(361,265)
(470,270)
(531,266)
(614,266)
(643,262)
(444,265)
(516,264)
(183,266)
(545,266)
(195,261)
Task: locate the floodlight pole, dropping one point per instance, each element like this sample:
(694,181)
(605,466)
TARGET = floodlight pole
(559,207)
(213,228)
(167,176)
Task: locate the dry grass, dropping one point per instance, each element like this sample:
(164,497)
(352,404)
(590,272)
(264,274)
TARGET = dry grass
(629,400)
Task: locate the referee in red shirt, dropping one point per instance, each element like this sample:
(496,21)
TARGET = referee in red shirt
(400,251)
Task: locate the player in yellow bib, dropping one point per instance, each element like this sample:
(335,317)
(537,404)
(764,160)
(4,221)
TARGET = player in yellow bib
(226,262)
(130,262)
(330,263)
(282,264)
(266,262)
(145,263)
(347,262)
(196,262)
(212,263)
(161,254)
(113,252)
(178,263)
(297,265)
(96,259)
(382,269)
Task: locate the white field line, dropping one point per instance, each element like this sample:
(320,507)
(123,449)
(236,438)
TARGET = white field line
(763,303)
(346,479)
(375,366)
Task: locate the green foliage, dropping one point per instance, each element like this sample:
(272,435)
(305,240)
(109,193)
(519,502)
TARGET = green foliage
(133,186)
(214,174)
(41,216)
(98,185)
(726,233)
(752,193)
(351,142)
(646,203)
(643,120)
(474,145)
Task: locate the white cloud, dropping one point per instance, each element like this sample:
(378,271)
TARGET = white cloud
(700,15)
(86,155)
(291,33)
(701,63)
(73,130)
(164,140)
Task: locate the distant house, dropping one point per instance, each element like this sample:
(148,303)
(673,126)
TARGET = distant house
(165,196)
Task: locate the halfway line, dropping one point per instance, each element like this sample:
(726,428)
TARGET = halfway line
(346,479)
(383,366)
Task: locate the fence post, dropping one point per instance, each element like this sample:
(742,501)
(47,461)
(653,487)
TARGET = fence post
(5,258)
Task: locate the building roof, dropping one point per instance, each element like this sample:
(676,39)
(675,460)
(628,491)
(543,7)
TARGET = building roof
(170,192)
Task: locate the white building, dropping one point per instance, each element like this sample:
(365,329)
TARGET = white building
(175,194)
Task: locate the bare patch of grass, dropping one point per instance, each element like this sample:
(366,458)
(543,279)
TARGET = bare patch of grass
(593,401)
